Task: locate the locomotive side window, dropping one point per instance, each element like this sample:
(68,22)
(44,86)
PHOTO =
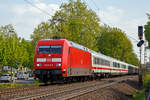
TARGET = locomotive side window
(50,49)
(69,50)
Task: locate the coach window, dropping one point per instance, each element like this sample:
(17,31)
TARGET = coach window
(101,62)
(113,64)
(108,63)
(118,65)
(104,62)
(98,61)
(124,66)
(94,60)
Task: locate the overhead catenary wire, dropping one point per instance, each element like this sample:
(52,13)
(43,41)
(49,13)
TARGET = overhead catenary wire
(132,38)
(95,5)
(129,36)
(62,1)
(98,10)
(43,11)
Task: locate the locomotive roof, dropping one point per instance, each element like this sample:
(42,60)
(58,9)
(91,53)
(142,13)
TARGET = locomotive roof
(73,44)
(76,45)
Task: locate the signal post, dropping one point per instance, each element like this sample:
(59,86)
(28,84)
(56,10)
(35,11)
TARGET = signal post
(140,43)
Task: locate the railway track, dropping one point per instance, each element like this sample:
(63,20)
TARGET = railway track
(61,92)
(21,92)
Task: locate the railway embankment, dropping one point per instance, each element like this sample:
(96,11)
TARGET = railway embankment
(120,91)
(144,93)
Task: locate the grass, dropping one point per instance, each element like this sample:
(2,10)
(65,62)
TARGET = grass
(139,96)
(16,85)
(146,82)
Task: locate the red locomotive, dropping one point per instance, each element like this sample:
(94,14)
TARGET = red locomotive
(60,59)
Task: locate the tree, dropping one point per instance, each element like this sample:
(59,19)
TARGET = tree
(43,31)
(6,33)
(75,22)
(114,43)
(147,30)
(14,50)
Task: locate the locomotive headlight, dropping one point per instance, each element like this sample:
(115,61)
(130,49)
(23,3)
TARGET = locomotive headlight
(38,65)
(58,64)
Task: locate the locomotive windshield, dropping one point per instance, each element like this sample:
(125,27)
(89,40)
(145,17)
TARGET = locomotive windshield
(50,49)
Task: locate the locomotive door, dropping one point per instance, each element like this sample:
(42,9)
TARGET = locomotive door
(69,62)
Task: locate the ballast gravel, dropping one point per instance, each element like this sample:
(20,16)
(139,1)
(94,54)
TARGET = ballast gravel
(121,91)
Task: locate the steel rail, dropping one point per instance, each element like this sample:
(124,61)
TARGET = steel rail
(70,92)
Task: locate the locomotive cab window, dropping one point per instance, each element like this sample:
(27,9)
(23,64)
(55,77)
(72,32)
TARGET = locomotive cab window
(50,49)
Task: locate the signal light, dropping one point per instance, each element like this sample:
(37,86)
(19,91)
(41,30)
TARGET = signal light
(140,43)
(140,32)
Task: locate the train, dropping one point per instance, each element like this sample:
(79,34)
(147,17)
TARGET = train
(61,59)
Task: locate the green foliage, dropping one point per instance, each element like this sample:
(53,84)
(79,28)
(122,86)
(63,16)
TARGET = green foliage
(43,31)
(8,85)
(74,21)
(14,51)
(147,30)
(139,96)
(146,82)
(114,43)
(16,85)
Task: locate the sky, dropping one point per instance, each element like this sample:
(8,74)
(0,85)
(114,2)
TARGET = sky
(124,14)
